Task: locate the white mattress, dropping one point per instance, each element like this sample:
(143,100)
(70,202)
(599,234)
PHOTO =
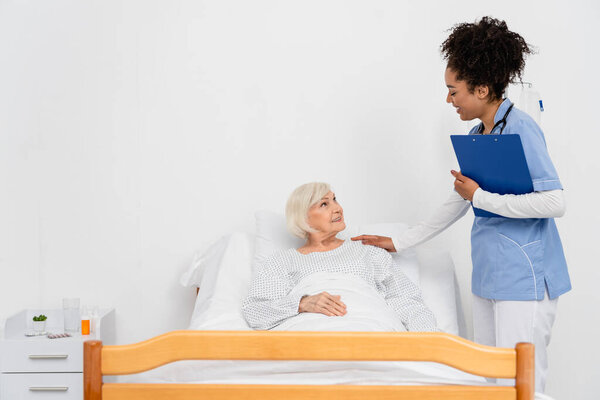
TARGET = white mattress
(307,372)
(310,373)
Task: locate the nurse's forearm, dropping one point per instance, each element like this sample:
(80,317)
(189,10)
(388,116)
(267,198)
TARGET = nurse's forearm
(454,208)
(546,204)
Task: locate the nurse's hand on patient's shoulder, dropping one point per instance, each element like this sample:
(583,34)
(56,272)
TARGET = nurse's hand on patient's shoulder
(379,241)
(323,303)
(464,186)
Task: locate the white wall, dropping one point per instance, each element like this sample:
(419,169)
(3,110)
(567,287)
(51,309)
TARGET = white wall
(134,133)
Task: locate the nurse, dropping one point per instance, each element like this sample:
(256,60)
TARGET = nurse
(519,269)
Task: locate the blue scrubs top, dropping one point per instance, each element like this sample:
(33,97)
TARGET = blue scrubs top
(517,259)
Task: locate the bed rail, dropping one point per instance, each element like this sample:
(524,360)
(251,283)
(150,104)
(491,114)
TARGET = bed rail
(443,348)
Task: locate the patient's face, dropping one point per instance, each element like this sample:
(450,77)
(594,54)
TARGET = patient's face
(327,215)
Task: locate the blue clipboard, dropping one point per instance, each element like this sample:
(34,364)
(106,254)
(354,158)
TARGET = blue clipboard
(496,162)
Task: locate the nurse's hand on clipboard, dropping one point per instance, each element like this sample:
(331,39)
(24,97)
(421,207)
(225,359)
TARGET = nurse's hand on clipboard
(464,186)
(383,242)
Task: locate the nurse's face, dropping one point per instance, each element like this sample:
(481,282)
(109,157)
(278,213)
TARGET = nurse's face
(326,216)
(469,105)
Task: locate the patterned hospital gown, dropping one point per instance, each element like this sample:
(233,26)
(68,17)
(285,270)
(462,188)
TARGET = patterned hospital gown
(269,301)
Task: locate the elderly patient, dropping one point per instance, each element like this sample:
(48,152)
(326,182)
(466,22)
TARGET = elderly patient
(313,213)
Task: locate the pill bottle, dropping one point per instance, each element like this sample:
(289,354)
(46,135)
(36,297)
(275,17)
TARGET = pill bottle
(85,322)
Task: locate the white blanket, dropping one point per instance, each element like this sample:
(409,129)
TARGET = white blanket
(366,309)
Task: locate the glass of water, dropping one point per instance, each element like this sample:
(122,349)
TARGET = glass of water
(71,314)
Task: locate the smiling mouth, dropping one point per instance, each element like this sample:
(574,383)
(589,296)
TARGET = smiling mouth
(338,219)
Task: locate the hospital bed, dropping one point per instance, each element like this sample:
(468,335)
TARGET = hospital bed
(220,357)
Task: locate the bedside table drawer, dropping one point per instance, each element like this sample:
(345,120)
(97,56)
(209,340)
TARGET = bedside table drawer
(42,386)
(48,355)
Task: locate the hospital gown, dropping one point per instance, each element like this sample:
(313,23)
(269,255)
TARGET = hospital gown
(270,301)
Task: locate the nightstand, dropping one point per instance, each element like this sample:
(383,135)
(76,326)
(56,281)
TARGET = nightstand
(41,368)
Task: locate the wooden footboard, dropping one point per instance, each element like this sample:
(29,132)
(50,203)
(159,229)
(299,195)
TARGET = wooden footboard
(443,348)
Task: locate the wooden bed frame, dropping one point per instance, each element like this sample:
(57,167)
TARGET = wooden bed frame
(443,348)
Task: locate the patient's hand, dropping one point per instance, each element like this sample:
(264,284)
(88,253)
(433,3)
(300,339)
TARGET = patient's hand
(380,241)
(323,303)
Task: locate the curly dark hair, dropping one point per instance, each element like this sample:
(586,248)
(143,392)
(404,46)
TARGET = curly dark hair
(486,53)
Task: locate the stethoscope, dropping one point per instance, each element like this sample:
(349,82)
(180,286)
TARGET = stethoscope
(497,124)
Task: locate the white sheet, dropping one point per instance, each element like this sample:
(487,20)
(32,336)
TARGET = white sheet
(361,300)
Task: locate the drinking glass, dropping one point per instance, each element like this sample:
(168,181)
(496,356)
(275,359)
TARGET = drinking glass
(71,313)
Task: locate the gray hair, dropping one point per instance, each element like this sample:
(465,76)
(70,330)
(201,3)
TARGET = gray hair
(298,204)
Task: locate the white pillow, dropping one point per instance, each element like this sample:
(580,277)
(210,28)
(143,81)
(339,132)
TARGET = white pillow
(272,235)
(224,284)
(203,261)
(439,288)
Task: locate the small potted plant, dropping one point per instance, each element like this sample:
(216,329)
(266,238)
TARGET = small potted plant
(39,323)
